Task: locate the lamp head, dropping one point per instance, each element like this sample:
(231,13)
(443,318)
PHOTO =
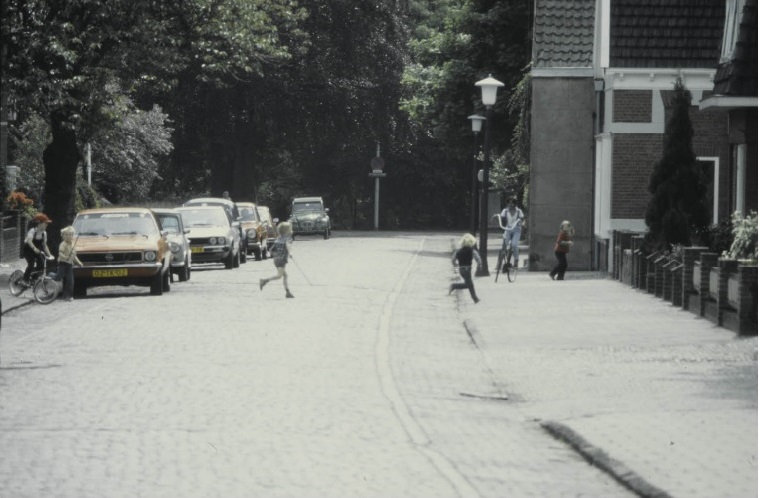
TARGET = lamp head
(477,122)
(489,87)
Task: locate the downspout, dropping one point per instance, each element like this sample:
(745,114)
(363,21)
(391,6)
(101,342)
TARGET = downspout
(598,118)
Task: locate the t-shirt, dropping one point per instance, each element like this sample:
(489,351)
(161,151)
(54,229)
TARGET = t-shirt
(512,221)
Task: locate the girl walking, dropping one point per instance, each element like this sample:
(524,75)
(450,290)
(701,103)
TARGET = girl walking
(280,253)
(561,248)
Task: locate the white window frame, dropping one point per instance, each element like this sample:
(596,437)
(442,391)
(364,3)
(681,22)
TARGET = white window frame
(716,187)
(734,9)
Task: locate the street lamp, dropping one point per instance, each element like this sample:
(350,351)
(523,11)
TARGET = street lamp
(488,87)
(476,120)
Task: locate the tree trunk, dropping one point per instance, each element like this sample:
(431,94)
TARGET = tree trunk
(60,158)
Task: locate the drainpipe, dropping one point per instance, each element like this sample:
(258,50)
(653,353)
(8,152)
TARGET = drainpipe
(598,129)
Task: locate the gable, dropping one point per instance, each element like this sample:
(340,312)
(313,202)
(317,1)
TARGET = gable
(738,76)
(666,33)
(563,34)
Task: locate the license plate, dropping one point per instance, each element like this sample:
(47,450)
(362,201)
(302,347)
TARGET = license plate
(196,249)
(116,272)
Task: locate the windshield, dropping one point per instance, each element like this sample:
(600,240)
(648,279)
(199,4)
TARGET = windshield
(110,224)
(169,223)
(204,218)
(307,207)
(248,214)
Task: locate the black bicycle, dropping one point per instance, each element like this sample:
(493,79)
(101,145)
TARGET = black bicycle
(504,261)
(44,288)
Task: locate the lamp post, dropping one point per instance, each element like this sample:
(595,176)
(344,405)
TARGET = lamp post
(488,87)
(476,120)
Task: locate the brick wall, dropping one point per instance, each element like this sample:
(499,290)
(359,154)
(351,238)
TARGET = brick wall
(632,106)
(635,154)
(633,157)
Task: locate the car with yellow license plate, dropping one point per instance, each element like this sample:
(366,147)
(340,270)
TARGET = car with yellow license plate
(254,228)
(121,246)
(212,237)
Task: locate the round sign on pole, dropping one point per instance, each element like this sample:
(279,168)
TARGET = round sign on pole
(480,175)
(377,163)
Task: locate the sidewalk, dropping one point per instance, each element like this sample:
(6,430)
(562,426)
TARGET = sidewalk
(660,399)
(11,302)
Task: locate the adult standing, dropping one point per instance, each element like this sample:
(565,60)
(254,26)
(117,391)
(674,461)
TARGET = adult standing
(561,248)
(511,220)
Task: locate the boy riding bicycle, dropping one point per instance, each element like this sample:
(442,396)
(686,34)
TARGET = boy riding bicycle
(511,221)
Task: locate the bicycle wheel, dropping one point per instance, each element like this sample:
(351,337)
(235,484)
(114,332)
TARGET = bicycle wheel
(16,283)
(499,262)
(511,269)
(45,290)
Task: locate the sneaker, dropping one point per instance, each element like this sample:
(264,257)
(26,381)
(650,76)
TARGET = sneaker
(476,300)
(69,299)
(262,283)
(288,294)
(551,276)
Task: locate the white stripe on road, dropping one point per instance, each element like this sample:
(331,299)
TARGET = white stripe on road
(390,390)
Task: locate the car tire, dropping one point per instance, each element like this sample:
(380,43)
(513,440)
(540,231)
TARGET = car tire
(80,290)
(184,272)
(264,251)
(257,254)
(244,251)
(236,261)
(157,285)
(166,284)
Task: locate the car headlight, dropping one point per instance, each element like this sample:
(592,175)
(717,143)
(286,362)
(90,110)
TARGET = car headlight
(251,233)
(150,256)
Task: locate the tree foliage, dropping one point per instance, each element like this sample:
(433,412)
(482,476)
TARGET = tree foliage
(677,208)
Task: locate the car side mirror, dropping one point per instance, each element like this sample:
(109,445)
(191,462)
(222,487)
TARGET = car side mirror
(327,210)
(236,224)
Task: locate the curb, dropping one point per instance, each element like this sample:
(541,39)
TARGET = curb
(598,458)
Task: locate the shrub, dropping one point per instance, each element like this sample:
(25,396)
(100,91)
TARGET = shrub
(744,231)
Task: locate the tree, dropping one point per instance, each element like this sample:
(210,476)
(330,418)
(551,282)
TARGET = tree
(62,55)
(677,208)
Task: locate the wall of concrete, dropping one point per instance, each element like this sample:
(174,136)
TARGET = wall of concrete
(562,169)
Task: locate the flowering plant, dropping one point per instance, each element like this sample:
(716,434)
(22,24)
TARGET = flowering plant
(744,230)
(20,202)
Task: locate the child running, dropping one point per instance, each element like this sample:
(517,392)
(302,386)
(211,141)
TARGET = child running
(464,256)
(280,253)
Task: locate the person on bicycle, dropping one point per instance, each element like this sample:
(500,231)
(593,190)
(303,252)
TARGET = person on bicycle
(35,246)
(511,220)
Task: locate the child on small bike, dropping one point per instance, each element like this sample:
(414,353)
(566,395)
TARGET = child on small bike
(35,246)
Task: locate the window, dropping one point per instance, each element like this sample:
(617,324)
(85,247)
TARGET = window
(734,9)
(712,170)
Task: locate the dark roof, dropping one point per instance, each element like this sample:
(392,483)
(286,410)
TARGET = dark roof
(563,33)
(738,77)
(666,33)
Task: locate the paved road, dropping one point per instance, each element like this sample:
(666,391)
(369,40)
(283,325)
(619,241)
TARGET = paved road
(373,382)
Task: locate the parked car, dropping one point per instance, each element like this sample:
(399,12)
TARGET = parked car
(213,238)
(171,222)
(309,216)
(255,230)
(231,208)
(121,246)
(269,223)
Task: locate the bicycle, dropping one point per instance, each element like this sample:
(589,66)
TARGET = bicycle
(504,260)
(44,288)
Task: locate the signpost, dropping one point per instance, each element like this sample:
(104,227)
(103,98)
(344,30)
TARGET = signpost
(377,163)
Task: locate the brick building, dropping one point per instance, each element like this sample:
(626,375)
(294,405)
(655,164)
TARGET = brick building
(603,73)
